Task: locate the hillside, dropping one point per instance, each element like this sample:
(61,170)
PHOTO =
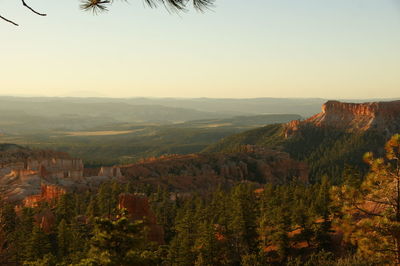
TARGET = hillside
(24,171)
(204,172)
(328,141)
(119,143)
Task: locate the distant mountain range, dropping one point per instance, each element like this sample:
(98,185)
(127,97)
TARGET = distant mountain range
(213,107)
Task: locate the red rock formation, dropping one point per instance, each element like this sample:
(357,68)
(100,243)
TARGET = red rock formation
(45,220)
(32,201)
(351,117)
(49,193)
(138,208)
(20,173)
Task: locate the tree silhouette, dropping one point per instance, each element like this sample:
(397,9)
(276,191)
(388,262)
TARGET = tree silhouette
(98,6)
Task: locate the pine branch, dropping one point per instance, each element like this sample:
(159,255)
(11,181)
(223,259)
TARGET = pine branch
(97,6)
(367,212)
(31,9)
(9,21)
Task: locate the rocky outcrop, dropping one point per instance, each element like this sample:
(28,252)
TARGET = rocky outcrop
(138,208)
(56,167)
(23,171)
(37,179)
(353,117)
(49,193)
(112,171)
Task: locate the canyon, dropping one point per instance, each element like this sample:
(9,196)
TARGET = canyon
(29,178)
(30,174)
(34,179)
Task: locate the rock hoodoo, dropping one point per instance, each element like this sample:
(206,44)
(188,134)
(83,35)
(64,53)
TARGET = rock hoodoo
(24,177)
(138,208)
(353,117)
(49,193)
(111,171)
(28,177)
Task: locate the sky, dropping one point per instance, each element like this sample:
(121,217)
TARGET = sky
(240,49)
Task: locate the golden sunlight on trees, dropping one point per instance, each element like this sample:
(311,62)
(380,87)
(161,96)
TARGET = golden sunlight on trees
(370,213)
(97,6)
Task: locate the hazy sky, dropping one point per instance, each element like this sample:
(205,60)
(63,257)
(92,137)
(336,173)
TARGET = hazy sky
(243,48)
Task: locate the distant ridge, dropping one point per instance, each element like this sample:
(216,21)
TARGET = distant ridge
(9,146)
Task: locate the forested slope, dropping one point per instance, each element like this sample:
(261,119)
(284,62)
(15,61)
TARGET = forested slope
(329,141)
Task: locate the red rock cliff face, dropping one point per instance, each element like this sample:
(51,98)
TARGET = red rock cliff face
(48,194)
(352,117)
(51,192)
(138,208)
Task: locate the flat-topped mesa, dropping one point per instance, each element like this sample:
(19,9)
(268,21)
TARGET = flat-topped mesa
(352,117)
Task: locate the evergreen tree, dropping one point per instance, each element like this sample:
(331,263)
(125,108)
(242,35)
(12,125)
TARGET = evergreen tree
(8,220)
(22,234)
(65,208)
(376,228)
(279,235)
(207,245)
(63,239)
(165,210)
(38,245)
(181,251)
(242,226)
(105,200)
(322,205)
(118,242)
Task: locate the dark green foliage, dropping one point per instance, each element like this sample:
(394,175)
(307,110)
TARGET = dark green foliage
(38,244)
(118,242)
(165,209)
(327,151)
(244,225)
(65,209)
(64,237)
